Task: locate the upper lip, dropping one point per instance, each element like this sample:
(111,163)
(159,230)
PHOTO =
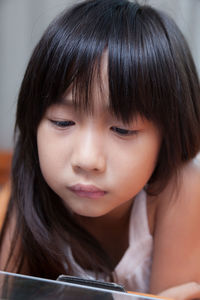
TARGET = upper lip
(85,188)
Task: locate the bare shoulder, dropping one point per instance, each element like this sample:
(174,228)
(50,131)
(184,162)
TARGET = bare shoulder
(188,180)
(191,175)
(176,233)
(183,191)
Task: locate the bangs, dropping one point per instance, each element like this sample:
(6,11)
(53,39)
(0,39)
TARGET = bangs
(138,58)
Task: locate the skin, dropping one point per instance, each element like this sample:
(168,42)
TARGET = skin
(186,291)
(92,152)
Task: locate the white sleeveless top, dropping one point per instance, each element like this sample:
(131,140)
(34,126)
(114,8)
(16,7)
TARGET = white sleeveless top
(134,268)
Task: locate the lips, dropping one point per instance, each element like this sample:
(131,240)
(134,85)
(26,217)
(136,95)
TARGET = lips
(87,191)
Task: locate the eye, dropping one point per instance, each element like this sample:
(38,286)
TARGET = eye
(124,132)
(63,124)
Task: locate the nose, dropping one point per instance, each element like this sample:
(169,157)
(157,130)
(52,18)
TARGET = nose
(88,155)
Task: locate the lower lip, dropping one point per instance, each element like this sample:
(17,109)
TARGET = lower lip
(86,194)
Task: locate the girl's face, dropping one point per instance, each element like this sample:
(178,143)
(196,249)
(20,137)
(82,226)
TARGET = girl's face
(94,162)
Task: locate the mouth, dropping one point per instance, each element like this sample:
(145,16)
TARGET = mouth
(87,191)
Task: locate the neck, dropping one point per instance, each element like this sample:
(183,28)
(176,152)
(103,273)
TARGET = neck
(110,230)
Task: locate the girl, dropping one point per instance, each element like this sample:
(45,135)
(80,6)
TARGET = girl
(104,180)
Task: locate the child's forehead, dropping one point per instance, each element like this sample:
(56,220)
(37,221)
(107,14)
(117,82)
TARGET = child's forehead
(98,100)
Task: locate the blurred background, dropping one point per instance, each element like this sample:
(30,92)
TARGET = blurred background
(22,23)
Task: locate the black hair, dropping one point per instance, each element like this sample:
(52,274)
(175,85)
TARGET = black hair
(150,72)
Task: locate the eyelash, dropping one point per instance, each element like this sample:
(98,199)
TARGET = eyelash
(117,130)
(124,132)
(63,124)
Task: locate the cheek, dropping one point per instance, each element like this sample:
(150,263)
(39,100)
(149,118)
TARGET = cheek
(138,163)
(51,149)
(49,159)
(137,171)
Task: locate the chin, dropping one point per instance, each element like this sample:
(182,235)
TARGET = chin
(91,213)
